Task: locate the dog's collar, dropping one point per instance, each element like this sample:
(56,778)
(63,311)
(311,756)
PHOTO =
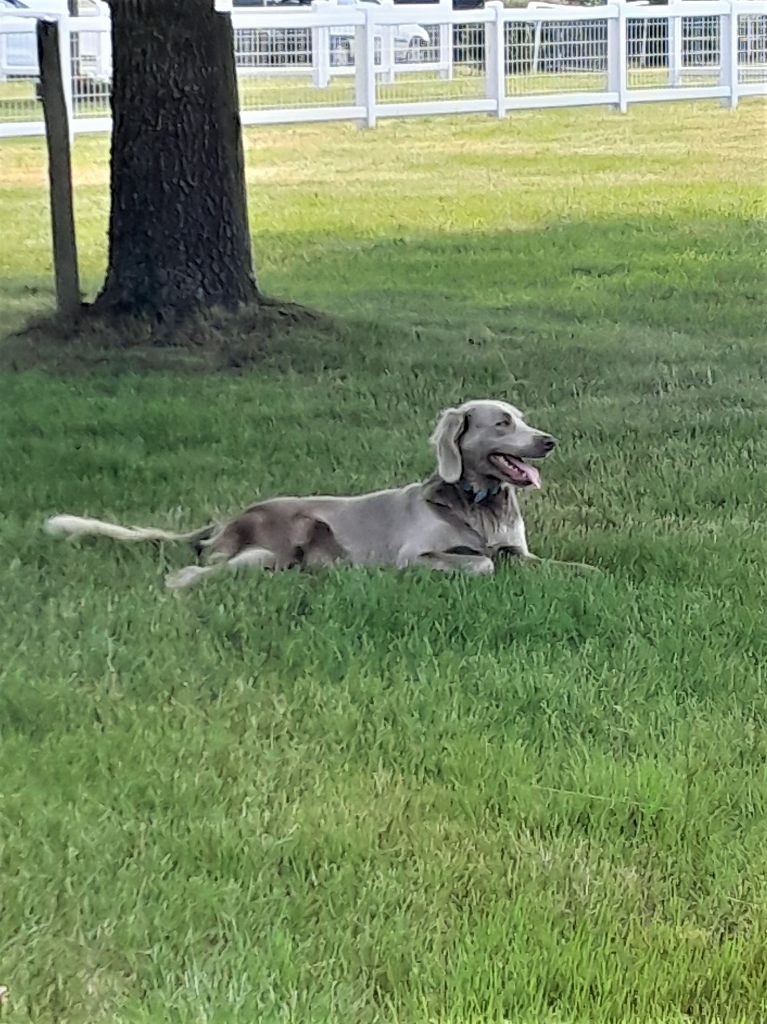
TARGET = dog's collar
(477,497)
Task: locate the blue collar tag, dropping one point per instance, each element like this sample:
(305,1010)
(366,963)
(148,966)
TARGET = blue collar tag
(479,496)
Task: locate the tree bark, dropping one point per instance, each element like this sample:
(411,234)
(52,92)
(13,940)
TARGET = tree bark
(178,226)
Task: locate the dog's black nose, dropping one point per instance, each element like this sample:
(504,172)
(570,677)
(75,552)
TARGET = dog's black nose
(548,442)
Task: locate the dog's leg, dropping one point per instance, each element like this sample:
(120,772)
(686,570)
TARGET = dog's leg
(579,566)
(527,557)
(452,561)
(246,559)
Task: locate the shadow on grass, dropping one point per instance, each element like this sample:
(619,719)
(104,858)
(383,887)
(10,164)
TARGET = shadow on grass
(684,276)
(567,283)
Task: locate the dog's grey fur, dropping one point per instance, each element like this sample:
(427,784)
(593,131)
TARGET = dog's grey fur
(438,523)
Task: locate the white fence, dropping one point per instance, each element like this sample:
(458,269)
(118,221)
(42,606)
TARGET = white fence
(363,61)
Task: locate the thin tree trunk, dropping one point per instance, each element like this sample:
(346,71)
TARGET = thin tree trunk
(178,228)
(59,169)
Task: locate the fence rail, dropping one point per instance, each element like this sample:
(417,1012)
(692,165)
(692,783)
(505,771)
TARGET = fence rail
(363,61)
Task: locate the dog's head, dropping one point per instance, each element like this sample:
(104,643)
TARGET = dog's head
(489,440)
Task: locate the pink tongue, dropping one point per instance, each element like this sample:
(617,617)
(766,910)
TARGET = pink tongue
(529,472)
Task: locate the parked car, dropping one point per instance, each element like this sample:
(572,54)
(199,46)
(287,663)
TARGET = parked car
(468,38)
(411,42)
(274,47)
(18,52)
(280,46)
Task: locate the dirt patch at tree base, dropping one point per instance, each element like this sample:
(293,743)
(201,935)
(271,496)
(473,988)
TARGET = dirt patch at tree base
(266,332)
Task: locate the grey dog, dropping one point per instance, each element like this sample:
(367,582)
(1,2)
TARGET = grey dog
(462,518)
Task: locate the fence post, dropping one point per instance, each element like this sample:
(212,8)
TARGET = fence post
(104,53)
(446,52)
(320,51)
(617,57)
(536,57)
(729,71)
(67,71)
(674,45)
(388,54)
(365,69)
(495,58)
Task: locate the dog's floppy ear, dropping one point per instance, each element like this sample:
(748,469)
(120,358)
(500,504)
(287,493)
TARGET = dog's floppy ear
(447,433)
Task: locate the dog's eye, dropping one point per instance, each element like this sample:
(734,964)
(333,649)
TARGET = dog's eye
(503,423)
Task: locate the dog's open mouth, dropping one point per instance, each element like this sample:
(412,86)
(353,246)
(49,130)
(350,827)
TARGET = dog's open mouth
(516,471)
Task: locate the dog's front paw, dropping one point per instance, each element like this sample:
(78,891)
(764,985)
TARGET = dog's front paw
(483,567)
(185,577)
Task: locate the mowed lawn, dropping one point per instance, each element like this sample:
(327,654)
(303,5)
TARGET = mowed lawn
(369,796)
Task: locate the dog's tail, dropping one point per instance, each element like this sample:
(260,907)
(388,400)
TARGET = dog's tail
(78,526)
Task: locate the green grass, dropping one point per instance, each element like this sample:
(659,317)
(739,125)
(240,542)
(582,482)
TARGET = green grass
(379,797)
(18,101)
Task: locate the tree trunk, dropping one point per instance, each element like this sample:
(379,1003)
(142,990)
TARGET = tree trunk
(178,226)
